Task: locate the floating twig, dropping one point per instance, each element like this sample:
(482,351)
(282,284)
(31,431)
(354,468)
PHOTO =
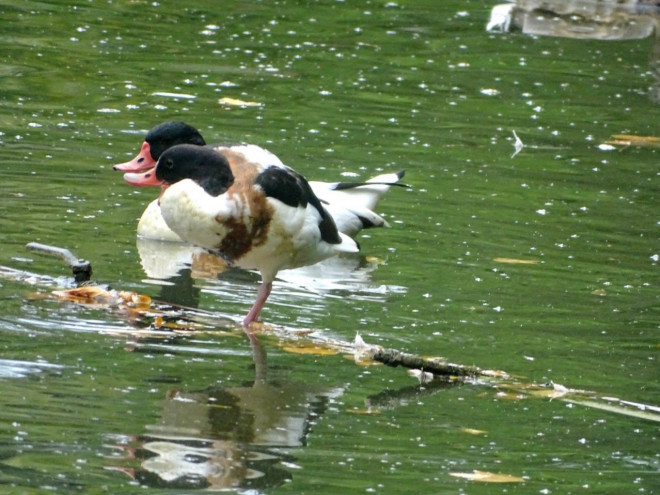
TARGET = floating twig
(82,270)
(436,366)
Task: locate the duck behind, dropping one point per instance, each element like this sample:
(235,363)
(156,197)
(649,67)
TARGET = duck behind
(255,214)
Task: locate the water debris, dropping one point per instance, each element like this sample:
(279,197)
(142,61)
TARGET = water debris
(500,18)
(309,348)
(489,91)
(234,102)
(82,270)
(165,94)
(93,294)
(424,377)
(577,397)
(517,145)
(486,477)
(515,261)
(631,140)
(436,366)
(473,431)
(433,373)
(592,19)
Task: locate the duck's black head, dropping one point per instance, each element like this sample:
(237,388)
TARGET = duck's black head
(169,134)
(205,166)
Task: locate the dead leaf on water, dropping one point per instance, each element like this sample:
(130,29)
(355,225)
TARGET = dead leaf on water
(307,348)
(515,261)
(472,431)
(631,140)
(234,102)
(139,300)
(180,326)
(495,373)
(93,294)
(160,323)
(486,477)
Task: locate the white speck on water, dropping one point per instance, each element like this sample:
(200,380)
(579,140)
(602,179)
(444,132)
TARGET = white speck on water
(174,95)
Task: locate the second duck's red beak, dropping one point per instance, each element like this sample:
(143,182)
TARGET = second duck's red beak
(143,161)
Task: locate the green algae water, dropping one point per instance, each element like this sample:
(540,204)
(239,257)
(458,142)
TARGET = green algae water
(539,259)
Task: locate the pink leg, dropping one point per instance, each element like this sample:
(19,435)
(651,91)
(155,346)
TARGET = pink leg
(262,295)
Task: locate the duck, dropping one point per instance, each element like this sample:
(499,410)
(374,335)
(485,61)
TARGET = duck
(350,204)
(238,204)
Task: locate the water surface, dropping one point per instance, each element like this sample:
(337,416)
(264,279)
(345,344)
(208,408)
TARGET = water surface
(542,263)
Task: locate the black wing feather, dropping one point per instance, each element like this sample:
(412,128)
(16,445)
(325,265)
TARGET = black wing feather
(292,189)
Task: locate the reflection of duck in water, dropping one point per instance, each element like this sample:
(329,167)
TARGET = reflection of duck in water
(241,202)
(182,271)
(222,438)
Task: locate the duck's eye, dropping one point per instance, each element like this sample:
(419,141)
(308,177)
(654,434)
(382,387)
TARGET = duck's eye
(169,163)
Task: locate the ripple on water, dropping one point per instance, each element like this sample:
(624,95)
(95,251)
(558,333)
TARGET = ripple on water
(10,368)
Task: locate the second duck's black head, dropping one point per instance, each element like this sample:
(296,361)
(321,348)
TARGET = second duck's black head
(169,134)
(205,166)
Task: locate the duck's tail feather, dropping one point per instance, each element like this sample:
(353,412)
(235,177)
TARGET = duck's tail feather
(352,204)
(347,245)
(389,179)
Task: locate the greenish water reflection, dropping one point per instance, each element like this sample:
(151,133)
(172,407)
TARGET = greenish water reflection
(543,264)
